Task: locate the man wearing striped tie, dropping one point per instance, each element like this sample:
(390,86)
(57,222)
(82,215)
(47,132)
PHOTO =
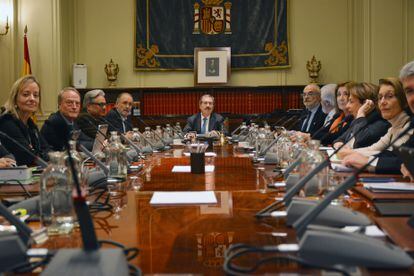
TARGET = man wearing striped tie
(206,121)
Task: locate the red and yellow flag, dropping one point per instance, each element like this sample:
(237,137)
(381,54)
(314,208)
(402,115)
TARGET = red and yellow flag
(27,69)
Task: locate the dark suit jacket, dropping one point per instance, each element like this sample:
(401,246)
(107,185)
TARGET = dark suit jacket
(322,132)
(88,124)
(4,152)
(389,162)
(368,130)
(194,123)
(56,131)
(317,121)
(115,120)
(28,136)
(340,129)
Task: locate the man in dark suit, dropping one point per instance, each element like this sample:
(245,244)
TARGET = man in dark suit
(314,117)
(119,117)
(94,109)
(206,121)
(59,127)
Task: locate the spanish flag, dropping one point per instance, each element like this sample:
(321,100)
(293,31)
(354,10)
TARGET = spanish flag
(27,69)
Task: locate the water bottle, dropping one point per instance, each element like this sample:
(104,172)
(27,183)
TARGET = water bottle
(149,137)
(56,203)
(116,158)
(77,162)
(168,134)
(311,158)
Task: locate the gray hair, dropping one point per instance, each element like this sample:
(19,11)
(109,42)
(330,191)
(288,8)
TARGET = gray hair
(60,95)
(328,93)
(407,70)
(90,95)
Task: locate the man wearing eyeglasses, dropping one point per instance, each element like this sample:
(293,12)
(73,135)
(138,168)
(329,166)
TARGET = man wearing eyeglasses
(59,127)
(120,116)
(314,117)
(206,121)
(94,109)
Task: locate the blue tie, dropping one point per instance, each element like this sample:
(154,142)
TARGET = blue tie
(203,127)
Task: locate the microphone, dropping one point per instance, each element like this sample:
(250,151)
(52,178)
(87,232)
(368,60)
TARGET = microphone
(296,162)
(91,260)
(302,182)
(301,224)
(295,119)
(14,246)
(135,147)
(96,160)
(39,161)
(164,145)
(322,128)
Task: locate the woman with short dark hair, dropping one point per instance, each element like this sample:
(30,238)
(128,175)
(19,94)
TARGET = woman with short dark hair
(392,104)
(368,126)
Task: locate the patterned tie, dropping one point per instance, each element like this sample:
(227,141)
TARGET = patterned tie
(204,126)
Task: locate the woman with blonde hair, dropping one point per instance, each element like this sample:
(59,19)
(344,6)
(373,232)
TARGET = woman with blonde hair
(22,103)
(392,104)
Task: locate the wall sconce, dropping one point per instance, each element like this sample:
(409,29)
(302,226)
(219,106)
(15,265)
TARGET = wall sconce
(6,28)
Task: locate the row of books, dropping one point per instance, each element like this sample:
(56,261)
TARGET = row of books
(226,102)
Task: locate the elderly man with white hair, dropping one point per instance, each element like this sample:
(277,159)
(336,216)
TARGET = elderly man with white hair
(328,104)
(314,117)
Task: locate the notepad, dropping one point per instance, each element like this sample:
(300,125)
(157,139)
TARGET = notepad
(160,198)
(187,169)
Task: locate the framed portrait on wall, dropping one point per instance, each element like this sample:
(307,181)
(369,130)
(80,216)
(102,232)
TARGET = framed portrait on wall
(212,66)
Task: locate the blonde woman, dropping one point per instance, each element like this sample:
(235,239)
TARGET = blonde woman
(22,103)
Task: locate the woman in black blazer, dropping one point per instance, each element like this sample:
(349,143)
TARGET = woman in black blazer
(16,122)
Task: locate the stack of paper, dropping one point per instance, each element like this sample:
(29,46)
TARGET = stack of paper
(159,198)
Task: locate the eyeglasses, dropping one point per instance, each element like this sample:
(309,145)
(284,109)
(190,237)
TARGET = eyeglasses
(100,104)
(309,94)
(386,97)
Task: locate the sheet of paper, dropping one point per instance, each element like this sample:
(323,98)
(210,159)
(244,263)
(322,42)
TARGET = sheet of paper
(207,197)
(187,169)
(325,148)
(208,154)
(392,186)
(370,230)
(341,168)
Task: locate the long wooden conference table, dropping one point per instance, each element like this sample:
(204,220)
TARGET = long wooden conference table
(192,239)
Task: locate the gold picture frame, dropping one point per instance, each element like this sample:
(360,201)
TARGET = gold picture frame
(212,66)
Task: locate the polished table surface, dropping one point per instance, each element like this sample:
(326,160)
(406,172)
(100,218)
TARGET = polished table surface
(193,238)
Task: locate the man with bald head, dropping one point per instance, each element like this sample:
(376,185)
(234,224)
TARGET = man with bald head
(314,117)
(58,128)
(120,116)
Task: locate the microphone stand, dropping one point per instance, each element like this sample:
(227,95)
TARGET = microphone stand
(37,159)
(302,182)
(301,224)
(165,147)
(135,147)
